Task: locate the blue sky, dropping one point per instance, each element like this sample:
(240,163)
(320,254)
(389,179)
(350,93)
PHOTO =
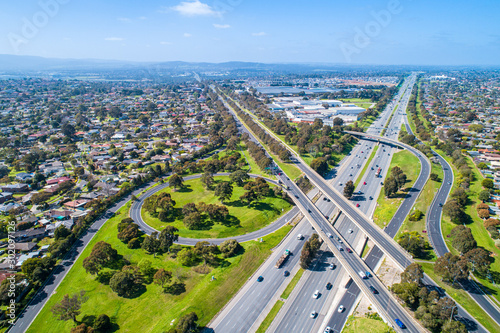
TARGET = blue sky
(424,32)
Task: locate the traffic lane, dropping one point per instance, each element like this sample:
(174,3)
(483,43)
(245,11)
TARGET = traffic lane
(246,311)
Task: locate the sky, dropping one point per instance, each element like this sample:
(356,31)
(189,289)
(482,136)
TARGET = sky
(389,32)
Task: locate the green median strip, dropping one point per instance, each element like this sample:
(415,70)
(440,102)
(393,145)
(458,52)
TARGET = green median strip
(292,284)
(372,155)
(270,317)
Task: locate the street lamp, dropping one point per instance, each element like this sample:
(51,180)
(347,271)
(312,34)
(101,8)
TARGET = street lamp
(451,316)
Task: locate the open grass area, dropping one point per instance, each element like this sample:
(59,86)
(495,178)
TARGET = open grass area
(292,283)
(367,164)
(387,207)
(361,102)
(153,311)
(461,297)
(270,317)
(366,325)
(243,218)
(423,203)
(252,165)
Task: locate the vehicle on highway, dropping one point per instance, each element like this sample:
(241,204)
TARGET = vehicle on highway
(309,211)
(340,184)
(371,198)
(328,286)
(357,205)
(348,250)
(368,274)
(313,314)
(341,309)
(328,329)
(399,323)
(362,275)
(300,237)
(260,278)
(340,248)
(349,231)
(332,266)
(329,235)
(286,273)
(440,205)
(373,290)
(327,217)
(316,294)
(381,183)
(296,196)
(364,183)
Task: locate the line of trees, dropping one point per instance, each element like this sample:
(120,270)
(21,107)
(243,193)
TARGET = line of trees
(309,250)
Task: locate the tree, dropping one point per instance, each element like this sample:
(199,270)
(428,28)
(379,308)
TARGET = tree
(348,189)
(451,268)
(483,213)
(68,130)
(463,239)
(130,232)
(413,274)
(123,283)
(453,326)
(175,181)
(309,250)
(151,244)
(61,232)
(186,324)
(162,277)
(223,190)
(208,180)
(434,177)
(102,323)
(82,328)
(487,183)
(478,260)
(454,211)
(239,177)
(390,186)
(407,292)
(187,257)
(70,306)
(338,121)
(319,165)
(460,196)
(482,166)
(412,242)
(484,196)
(193,221)
(189,208)
(229,247)
(167,237)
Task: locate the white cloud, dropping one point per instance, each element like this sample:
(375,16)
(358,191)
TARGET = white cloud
(142,17)
(114,39)
(222,26)
(195,8)
(165,43)
(258,34)
(187,35)
(124,19)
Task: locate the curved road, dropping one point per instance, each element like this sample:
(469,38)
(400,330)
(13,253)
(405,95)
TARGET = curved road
(135,214)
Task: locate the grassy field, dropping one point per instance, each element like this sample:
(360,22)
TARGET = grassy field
(387,207)
(366,325)
(292,284)
(361,102)
(244,219)
(461,297)
(270,317)
(253,167)
(153,311)
(423,203)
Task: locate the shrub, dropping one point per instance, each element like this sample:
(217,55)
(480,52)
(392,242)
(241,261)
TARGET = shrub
(491,222)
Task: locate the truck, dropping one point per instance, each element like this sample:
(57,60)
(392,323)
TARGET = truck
(282,259)
(379,170)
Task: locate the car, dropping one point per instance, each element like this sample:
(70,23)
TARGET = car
(328,329)
(309,210)
(368,274)
(364,183)
(296,196)
(286,273)
(332,266)
(313,314)
(351,167)
(260,278)
(327,217)
(362,275)
(328,286)
(300,237)
(329,235)
(372,168)
(349,231)
(316,294)
(381,183)
(376,165)
(328,200)
(361,152)
(340,184)
(357,205)
(324,198)
(350,175)
(341,309)
(279,173)
(371,198)
(399,323)
(440,205)
(373,290)
(348,250)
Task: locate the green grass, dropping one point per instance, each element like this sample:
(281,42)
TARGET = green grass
(423,203)
(461,297)
(366,325)
(387,207)
(245,219)
(254,167)
(367,164)
(365,251)
(270,317)
(292,284)
(153,310)
(361,102)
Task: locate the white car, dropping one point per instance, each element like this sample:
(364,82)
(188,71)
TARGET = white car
(300,237)
(316,294)
(313,314)
(328,329)
(349,231)
(329,235)
(341,309)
